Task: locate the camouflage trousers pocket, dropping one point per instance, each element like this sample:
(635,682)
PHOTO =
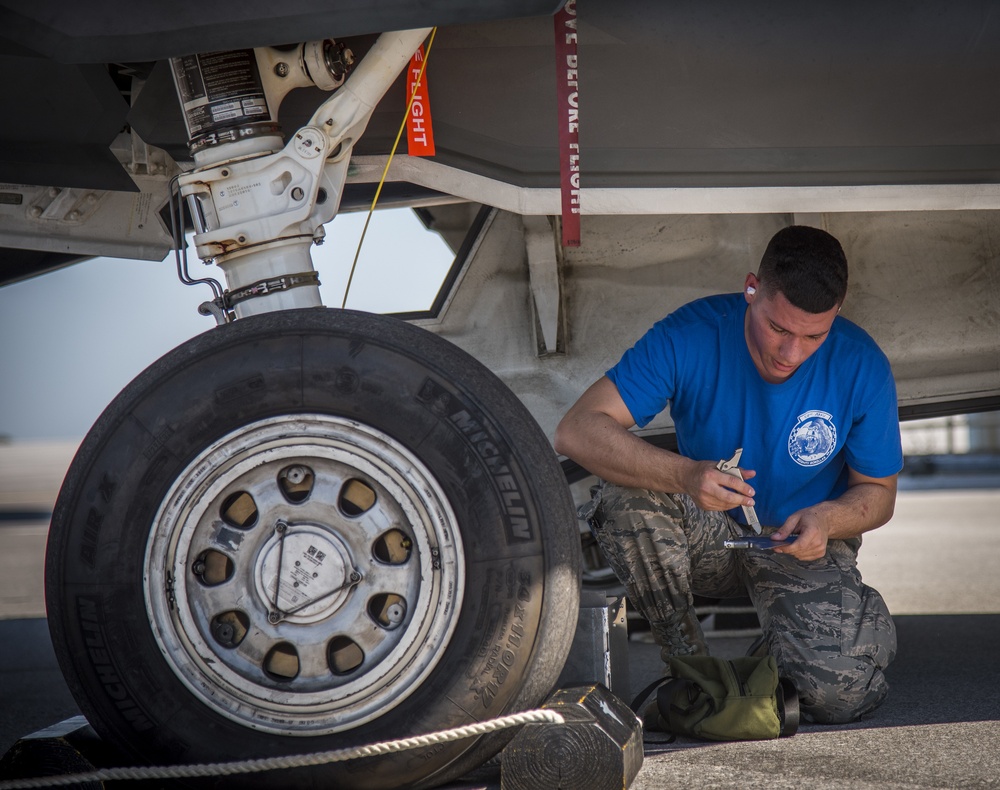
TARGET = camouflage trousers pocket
(867,629)
(591,511)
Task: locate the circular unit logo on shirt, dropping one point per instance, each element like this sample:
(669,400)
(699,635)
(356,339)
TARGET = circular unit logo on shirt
(813,439)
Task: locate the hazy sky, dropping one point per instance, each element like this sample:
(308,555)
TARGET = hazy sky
(72,339)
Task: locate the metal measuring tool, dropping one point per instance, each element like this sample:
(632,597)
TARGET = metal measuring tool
(731,468)
(758,542)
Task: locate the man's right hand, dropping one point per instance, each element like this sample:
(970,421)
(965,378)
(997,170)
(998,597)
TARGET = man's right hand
(714,490)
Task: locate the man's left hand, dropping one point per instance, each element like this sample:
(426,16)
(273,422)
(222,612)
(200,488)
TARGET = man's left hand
(813,532)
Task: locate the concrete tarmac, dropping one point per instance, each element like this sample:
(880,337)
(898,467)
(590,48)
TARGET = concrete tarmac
(935,563)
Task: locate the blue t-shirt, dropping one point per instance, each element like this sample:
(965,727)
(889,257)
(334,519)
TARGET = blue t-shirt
(837,410)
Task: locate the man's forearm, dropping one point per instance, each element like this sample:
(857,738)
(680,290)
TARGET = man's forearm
(863,507)
(867,503)
(595,434)
(600,445)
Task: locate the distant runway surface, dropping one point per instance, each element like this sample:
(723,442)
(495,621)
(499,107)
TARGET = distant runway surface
(30,476)
(935,563)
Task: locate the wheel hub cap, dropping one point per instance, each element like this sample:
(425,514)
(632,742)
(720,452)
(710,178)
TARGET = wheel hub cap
(304,573)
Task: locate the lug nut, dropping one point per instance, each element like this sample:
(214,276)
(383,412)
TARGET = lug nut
(296,474)
(225,634)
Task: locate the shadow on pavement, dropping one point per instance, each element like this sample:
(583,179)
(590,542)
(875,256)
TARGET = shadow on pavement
(946,671)
(33,693)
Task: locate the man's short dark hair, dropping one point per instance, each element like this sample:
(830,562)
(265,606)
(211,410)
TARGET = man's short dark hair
(808,266)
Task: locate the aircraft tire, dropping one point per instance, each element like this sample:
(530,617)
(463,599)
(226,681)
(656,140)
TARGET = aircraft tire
(310,530)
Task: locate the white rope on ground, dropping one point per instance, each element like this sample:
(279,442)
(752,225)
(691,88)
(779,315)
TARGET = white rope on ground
(291,761)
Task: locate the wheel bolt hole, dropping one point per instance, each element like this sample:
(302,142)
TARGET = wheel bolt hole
(229,628)
(356,497)
(387,609)
(344,655)
(282,662)
(393,547)
(239,510)
(213,567)
(296,483)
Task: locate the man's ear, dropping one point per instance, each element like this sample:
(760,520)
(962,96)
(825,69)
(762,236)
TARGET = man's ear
(751,285)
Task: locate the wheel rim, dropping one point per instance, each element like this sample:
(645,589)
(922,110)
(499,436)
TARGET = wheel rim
(304,574)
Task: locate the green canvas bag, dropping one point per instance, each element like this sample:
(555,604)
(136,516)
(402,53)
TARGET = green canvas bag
(718,699)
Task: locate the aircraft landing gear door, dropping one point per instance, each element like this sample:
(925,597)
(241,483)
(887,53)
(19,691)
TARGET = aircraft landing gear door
(308,529)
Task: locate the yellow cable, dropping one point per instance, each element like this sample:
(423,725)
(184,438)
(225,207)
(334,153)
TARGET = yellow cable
(385,172)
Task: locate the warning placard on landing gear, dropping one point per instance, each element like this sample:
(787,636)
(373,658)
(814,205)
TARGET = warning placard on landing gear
(220,89)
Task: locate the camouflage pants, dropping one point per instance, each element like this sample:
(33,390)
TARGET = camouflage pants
(830,633)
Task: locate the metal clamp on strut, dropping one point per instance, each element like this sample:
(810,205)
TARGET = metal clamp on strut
(270,285)
(221,308)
